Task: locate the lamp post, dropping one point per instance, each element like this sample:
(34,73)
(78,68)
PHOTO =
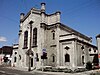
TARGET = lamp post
(29,68)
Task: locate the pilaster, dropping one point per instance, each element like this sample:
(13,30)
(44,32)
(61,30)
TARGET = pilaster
(58,45)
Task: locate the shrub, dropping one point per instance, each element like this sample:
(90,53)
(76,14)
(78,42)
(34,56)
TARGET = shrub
(89,65)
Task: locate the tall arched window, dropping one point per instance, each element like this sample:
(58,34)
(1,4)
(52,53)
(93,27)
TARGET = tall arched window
(53,34)
(25,39)
(34,37)
(67,58)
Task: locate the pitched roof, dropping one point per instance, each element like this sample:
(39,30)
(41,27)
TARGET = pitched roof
(6,50)
(75,32)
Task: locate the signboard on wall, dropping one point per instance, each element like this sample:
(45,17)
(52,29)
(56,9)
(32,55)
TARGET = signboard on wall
(43,50)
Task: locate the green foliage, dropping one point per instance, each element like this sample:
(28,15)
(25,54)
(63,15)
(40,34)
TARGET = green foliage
(89,65)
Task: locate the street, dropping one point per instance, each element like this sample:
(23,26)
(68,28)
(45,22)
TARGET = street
(11,71)
(8,71)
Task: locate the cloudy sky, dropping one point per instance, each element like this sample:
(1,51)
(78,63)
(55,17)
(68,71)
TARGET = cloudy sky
(81,15)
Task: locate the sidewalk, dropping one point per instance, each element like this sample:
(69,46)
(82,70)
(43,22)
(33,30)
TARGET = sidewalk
(53,73)
(18,68)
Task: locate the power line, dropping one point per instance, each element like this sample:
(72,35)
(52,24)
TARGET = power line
(80,8)
(10,19)
(78,5)
(25,4)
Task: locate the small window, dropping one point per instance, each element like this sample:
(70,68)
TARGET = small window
(94,50)
(67,58)
(82,47)
(90,50)
(53,35)
(31,62)
(15,53)
(15,58)
(37,58)
(19,57)
(83,59)
(53,59)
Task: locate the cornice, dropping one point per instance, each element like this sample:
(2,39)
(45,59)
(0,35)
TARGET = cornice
(48,27)
(81,41)
(74,32)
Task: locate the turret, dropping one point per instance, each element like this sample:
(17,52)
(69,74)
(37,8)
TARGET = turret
(21,16)
(58,16)
(98,42)
(43,7)
(98,45)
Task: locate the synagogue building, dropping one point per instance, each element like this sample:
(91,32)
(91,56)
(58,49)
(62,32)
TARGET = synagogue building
(45,41)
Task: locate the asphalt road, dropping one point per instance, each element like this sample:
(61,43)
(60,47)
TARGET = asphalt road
(7,71)
(10,71)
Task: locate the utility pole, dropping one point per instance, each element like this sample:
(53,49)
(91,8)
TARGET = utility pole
(29,69)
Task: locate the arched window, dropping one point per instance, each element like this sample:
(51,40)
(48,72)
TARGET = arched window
(89,49)
(19,57)
(67,58)
(53,58)
(25,39)
(34,37)
(53,34)
(15,58)
(83,59)
(82,47)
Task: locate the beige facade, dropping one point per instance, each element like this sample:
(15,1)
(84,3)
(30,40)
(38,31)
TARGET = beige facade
(98,45)
(64,46)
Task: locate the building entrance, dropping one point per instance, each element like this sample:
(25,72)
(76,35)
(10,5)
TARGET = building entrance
(31,62)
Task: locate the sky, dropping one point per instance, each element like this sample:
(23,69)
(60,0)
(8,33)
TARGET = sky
(81,15)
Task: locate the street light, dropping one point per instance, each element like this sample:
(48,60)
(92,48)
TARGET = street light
(29,68)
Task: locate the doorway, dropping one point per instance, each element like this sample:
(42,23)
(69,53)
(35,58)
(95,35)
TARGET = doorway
(31,62)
